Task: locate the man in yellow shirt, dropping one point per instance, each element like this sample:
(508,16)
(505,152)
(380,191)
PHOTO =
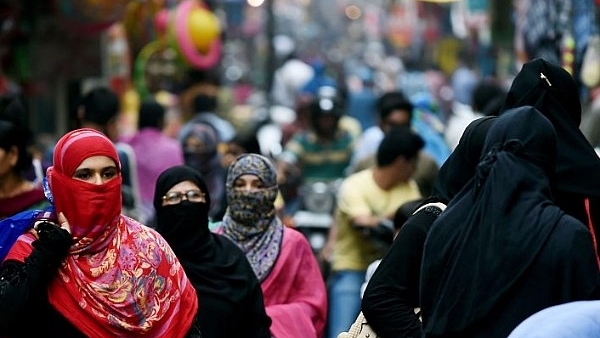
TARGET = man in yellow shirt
(367,201)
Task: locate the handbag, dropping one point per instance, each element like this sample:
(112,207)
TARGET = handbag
(590,66)
(360,329)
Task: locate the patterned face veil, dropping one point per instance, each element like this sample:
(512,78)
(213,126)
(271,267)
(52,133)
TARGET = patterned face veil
(250,220)
(252,208)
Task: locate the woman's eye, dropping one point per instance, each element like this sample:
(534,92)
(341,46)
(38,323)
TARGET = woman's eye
(194,195)
(82,175)
(258,184)
(110,173)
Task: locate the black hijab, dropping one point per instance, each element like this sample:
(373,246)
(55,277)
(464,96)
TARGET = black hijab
(459,168)
(553,91)
(493,229)
(213,263)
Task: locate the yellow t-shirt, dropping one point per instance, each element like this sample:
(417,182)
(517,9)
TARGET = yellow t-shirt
(360,195)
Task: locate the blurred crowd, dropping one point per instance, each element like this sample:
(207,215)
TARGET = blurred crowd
(464,204)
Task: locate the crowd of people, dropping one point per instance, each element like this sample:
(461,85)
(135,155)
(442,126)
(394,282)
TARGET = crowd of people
(486,229)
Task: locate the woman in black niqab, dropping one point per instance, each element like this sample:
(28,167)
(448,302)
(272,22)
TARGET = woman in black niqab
(502,250)
(392,293)
(553,91)
(228,291)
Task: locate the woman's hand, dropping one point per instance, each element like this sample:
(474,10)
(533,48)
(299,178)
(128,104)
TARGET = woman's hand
(327,251)
(64,224)
(53,240)
(51,232)
(42,226)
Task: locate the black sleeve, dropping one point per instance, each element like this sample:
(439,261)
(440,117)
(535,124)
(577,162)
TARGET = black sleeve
(23,285)
(392,293)
(194,331)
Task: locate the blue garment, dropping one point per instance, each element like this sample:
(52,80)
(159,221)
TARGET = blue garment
(583,25)
(579,319)
(435,145)
(427,123)
(344,300)
(463,82)
(13,227)
(361,105)
(319,79)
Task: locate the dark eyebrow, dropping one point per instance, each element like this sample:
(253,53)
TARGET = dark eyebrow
(112,167)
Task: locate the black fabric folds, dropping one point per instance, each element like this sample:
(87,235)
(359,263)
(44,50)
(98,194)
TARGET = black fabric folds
(392,294)
(459,168)
(481,246)
(227,288)
(553,91)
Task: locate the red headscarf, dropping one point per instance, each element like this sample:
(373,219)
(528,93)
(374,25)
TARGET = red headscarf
(120,279)
(80,201)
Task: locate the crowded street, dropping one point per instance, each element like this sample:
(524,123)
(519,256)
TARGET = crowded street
(300,168)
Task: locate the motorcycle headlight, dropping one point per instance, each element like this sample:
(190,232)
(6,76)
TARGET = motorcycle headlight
(317,240)
(318,197)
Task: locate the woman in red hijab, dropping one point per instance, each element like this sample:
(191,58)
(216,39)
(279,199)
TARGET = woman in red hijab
(97,273)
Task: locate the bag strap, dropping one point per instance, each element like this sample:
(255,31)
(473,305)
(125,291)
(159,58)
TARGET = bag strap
(438,205)
(354,330)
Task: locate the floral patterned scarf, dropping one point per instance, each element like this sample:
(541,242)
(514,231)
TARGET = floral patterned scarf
(120,278)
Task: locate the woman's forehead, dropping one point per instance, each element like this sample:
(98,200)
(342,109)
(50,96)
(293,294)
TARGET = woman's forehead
(248,177)
(184,185)
(97,162)
(253,164)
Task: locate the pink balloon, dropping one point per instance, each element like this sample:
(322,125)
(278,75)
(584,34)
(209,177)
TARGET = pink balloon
(161,20)
(186,45)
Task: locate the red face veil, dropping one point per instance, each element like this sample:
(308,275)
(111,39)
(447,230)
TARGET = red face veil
(89,208)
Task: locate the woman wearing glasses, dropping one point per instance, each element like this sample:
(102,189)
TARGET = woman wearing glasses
(292,284)
(91,272)
(228,291)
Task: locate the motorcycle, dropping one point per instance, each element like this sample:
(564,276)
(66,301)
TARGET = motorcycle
(314,215)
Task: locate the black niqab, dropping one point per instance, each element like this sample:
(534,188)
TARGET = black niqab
(553,91)
(491,232)
(214,264)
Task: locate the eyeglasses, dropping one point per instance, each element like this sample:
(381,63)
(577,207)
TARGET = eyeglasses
(175,197)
